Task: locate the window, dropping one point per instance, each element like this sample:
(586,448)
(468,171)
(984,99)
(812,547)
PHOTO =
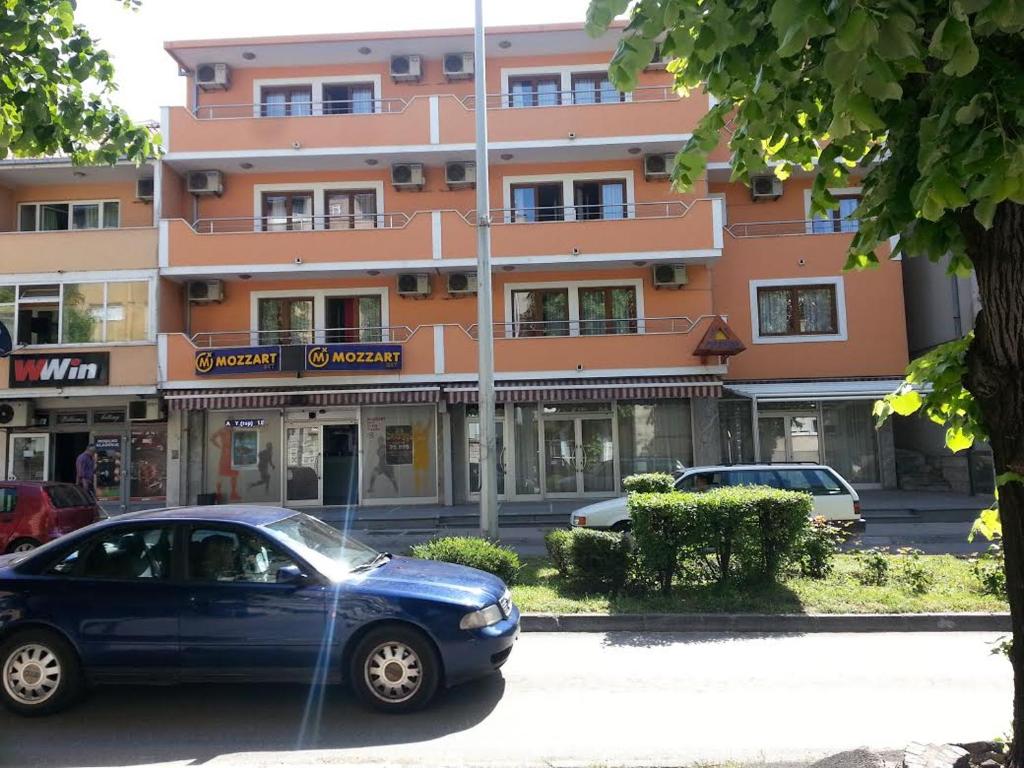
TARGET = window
(653,436)
(82,313)
(353,319)
(285,211)
(38,312)
(349,99)
(139,553)
(839,219)
(65,496)
(797,310)
(538,202)
(540,312)
(814,481)
(539,91)
(594,89)
(289,101)
(8,500)
(705,481)
(599,199)
(55,217)
(607,311)
(285,321)
(222,555)
(356,209)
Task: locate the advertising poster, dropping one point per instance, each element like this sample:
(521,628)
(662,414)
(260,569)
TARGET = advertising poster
(149,464)
(399,445)
(108,467)
(245,448)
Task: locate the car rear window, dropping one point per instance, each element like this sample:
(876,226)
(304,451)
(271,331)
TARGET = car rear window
(64,496)
(811,480)
(8,500)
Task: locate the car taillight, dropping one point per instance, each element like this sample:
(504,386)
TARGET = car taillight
(856,508)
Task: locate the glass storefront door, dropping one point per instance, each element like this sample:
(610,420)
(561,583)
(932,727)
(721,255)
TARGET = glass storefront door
(30,457)
(302,452)
(579,456)
(790,437)
(473,454)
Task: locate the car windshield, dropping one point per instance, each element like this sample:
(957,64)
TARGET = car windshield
(327,548)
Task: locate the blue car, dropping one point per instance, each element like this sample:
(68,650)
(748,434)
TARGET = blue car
(241,594)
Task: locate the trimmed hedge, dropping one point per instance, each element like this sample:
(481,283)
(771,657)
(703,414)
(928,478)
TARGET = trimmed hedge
(749,532)
(594,559)
(652,482)
(473,552)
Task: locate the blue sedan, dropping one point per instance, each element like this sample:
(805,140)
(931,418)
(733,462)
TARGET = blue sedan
(241,594)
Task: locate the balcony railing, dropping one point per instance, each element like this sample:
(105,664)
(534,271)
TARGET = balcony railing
(576,97)
(357,222)
(790,228)
(331,108)
(669,209)
(396,334)
(624,326)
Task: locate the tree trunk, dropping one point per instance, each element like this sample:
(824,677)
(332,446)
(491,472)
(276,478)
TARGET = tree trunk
(995,377)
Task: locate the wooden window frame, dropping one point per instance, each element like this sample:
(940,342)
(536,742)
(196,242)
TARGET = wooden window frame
(793,319)
(290,216)
(609,322)
(330,219)
(537,211)
(597,78)
(600,206)
(279,333)
(524,329)
(289,92)
(349,87)
(534,81)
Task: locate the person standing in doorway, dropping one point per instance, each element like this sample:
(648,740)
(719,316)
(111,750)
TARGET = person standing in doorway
(85,470)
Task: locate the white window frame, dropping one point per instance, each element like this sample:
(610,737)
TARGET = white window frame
(70,204)
(573,287)
(568,184)
(835,191)
(319,308)
(791,282)
(316,85)
(319,189)
(563,72)
(86,278)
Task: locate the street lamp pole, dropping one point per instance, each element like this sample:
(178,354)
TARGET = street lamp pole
(488,460)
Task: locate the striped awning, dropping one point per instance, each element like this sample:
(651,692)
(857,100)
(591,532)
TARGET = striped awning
(230,399)
(646,388)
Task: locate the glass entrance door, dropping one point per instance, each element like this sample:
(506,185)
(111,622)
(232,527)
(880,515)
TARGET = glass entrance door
(790,437)
(30,457)
(302,454)
(473,453)
(579,456)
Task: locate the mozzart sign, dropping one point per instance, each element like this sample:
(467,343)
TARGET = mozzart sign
(86,369)
(313,357)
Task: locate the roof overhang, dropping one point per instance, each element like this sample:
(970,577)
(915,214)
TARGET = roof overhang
(788,391)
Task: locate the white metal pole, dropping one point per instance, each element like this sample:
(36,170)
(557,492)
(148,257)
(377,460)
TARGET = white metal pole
(485,313)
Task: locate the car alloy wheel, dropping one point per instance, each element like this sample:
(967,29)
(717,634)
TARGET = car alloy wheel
(393,672)
(32,674)
(24,546)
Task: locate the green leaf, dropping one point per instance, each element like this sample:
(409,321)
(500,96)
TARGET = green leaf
(957,440)
(906,402)
(988,524)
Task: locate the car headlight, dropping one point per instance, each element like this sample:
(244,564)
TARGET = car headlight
(579,520)
(485,617)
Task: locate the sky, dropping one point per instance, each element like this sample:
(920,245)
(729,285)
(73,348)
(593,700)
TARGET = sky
(148,78)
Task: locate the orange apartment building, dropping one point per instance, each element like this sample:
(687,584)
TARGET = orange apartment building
(311,305)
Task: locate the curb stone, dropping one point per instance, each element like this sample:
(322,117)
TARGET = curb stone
(758,622)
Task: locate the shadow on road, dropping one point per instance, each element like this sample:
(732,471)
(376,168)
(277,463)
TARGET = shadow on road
(668,639)
(121,726)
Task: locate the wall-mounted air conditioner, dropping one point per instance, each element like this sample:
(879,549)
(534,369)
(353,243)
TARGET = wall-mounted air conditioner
(669,275)
(407,175)
(205,182)
(658,166)
(460,173)
(461,283)
(213,77)
(406,68)
(458,66)
(765,187)
(16,413)
(205,291)
(414,285)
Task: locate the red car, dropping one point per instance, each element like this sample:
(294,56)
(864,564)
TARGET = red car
(32,514)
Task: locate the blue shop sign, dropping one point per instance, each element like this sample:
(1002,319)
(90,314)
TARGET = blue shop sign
(353,357)
(229,360)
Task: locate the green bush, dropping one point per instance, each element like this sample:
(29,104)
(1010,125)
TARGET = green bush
(653,482)
(989,569)
(914,574)
(817,549)
(557,544)
(748,532)
(592,559)
(474,552)
(872,568)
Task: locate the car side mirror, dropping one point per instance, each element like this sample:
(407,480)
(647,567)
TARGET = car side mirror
(291,574)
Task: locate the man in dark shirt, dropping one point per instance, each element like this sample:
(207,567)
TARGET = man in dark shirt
(85,470)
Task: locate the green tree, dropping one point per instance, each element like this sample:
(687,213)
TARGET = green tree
(925,101)
(56,87)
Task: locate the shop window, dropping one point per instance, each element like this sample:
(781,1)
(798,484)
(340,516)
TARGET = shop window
(541,312)
(399,453)
(736,433)
(654,437)
(240,469)
(797,310)
(285,320)
(290,101)
(599,200)
(349,99)
(851,441)
(537,202)
(607,311)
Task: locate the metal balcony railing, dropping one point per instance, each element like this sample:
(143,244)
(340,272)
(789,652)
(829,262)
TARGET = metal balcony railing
(301,109)
(790,228)
(349,223)
(396,334)
(626,326)
(670,209)
(575,97)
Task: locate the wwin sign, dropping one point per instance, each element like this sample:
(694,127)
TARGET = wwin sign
(60,370)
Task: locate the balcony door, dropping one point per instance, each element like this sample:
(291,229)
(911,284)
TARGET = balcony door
(580,457)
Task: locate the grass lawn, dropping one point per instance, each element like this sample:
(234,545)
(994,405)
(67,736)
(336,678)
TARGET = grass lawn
(955,589)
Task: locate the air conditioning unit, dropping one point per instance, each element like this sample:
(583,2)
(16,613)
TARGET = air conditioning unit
(205,182)
(669,275)
(144,410)
(414,285)
(16,413)
(658,166)
(458,66)
(461,283)
(459,173)
(205,291)
(407,175)
(144,189)
(406,68)
(766,187)
(213,77)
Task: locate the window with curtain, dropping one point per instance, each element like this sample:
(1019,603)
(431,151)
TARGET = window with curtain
(653,436)
(284,211)
(797,310)
(356,209)
(594,89)
(607,311)
(839,219)
(851,445)
(349,99)
(539,91)
(285,320)
(537,202)
(289,101)
(541,312)
(599,199)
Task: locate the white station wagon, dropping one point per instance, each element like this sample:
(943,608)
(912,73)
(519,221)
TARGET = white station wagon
(834,498)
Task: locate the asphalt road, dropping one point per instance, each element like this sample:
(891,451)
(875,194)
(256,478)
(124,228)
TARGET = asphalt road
(582,699)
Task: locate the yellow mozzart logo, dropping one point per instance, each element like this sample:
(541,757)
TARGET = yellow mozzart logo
(318,357)
(204,362)
(207,362)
